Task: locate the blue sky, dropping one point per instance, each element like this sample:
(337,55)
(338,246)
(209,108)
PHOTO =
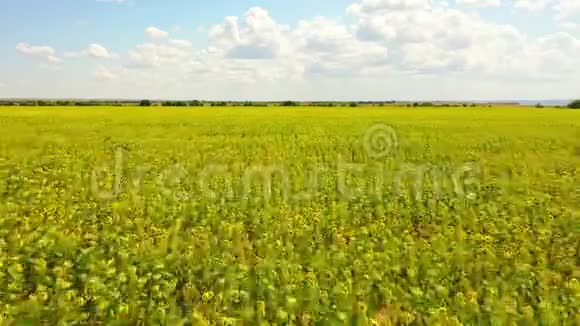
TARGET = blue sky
(303,50)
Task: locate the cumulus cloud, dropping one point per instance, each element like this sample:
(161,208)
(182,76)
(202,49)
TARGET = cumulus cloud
(384,6)
(150,55)
(257,37)
(259,48)
(564,9)
(156,34)
(571,27)
(96,51)
(480,3)
(104,73)
(435,39)
(329,47)
(161,51)
(388,41)
(184,44)
(567,8)
(531,5)
(40,51)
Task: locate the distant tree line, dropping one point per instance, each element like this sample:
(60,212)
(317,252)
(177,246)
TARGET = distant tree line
(64,103)
(574,104)
(197,103)
(444,105)
(171,103)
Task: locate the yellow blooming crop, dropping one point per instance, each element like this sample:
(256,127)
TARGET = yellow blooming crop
(294,216)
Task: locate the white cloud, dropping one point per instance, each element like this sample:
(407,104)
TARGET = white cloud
(391,45)
(571,27)
(40,51)
(155,33)
(567,8)
(161,51)
(150,55)
(383,6)
(260,48)
(557,54)
(36,50)
(184,44)
(105,73)
(440,40)
(257,37)
(328,47)
(480,3)
(96,51)
(257,49)
(54,60)
(531,5)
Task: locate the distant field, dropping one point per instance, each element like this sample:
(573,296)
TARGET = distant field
(290,215)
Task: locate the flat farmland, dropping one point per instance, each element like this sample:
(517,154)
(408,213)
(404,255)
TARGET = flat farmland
(303,216)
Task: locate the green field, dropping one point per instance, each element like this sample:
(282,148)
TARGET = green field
(243,216)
